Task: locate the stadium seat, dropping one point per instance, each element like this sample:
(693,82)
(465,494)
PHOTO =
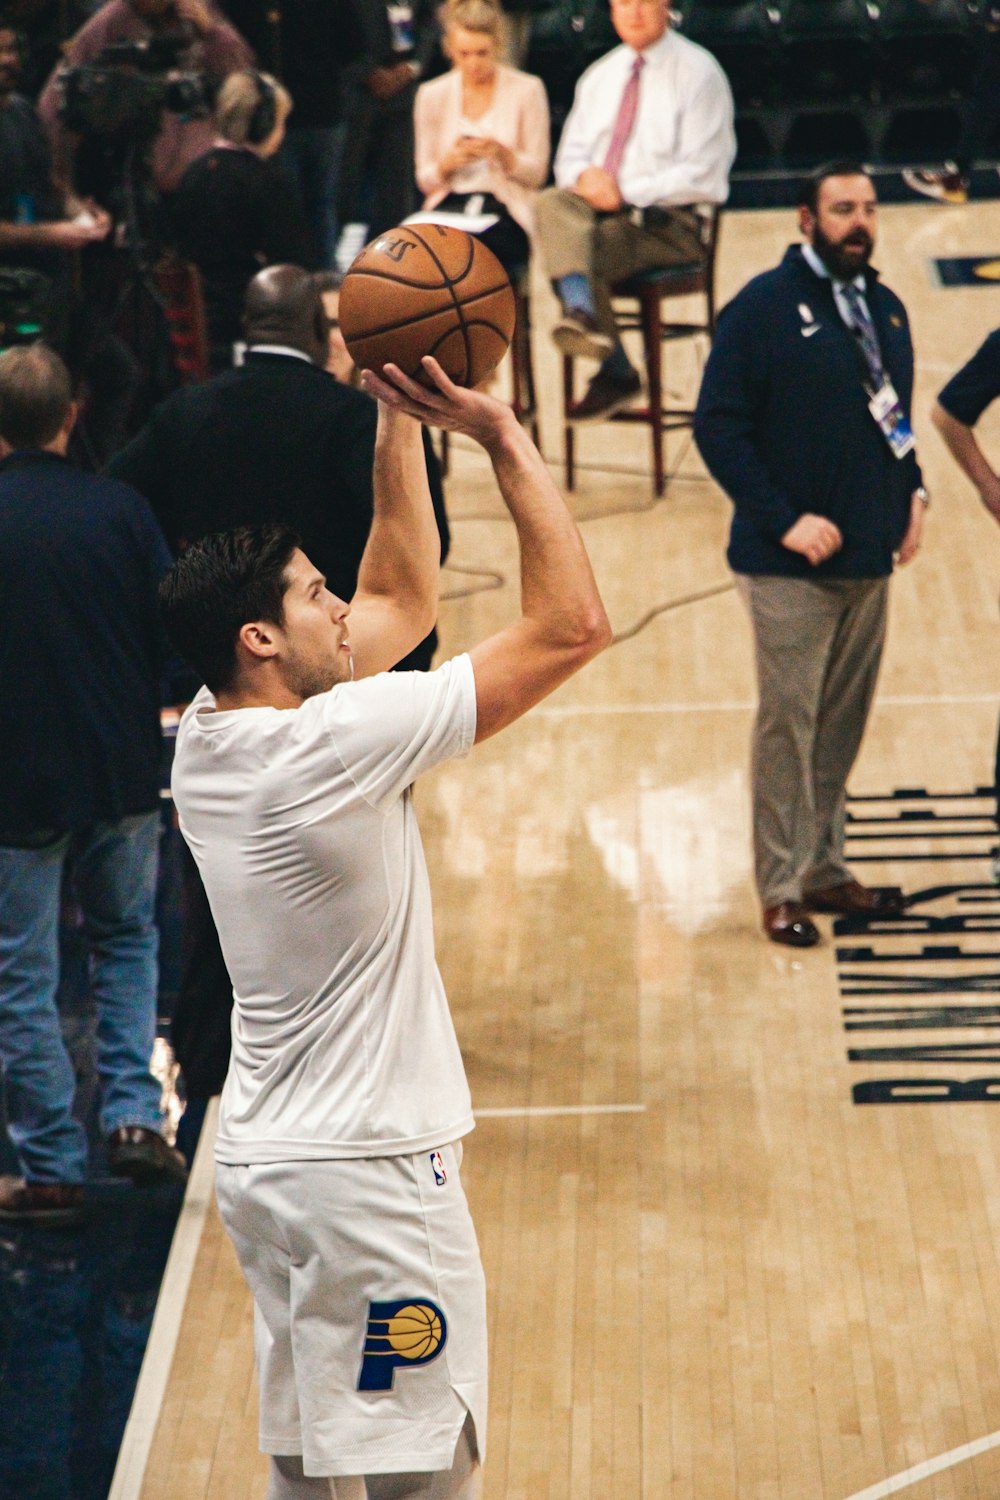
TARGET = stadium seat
(926,48)
(916,135)
(743,35)
(828,51)
(826,136)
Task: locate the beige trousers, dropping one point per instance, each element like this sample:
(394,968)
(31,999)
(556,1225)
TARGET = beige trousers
(818,646)
(576,240)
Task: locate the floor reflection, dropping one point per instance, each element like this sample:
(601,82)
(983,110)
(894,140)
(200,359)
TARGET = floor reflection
(76,1305)
(75,1313)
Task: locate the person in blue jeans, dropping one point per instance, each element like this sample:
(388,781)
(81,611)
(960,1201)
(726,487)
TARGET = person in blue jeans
(81,658)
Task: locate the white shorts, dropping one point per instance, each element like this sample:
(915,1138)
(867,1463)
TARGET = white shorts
(369,1308)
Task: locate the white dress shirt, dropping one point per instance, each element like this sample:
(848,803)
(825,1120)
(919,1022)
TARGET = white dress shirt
(682,145)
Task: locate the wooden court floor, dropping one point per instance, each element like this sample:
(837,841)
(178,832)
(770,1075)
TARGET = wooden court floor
(739,1208)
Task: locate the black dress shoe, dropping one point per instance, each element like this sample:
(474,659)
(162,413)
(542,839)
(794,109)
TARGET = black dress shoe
(579,335)
(790,923)
(140,1153)
(604,396)
(51,1204)
(852,899)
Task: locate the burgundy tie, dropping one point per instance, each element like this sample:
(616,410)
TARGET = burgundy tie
(625,121)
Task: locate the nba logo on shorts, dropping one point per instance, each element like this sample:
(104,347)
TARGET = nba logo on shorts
(408,1333)
(440,1175)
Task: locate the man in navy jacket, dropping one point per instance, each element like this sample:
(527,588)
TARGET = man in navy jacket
(803,418)
(80,669)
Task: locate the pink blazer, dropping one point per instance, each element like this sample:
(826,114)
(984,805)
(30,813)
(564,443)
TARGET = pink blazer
(520,119)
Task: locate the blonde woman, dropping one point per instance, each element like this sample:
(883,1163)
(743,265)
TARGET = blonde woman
(482,133)
(234,210)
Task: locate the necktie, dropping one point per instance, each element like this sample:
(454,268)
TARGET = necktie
(625,119)
(864,331)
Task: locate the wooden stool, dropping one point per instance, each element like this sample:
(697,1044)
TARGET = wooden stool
(524,402)
(648,290)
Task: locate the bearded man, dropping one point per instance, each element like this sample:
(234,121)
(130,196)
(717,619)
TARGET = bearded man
(804,419)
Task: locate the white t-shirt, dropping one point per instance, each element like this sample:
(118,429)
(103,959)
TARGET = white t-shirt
(302,826)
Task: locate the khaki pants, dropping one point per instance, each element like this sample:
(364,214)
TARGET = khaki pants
(818,645)
(576,240)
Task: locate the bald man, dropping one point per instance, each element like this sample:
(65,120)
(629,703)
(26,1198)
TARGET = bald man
(278,439)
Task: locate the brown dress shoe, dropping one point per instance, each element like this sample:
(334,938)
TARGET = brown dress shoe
(851,898)
(52,1204)
(140,1153)
(790,923)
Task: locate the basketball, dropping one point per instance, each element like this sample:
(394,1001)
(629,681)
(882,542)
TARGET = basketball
(415,1332)
(427,289)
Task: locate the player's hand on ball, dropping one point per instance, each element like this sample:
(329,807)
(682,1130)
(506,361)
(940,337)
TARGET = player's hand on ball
(444,405)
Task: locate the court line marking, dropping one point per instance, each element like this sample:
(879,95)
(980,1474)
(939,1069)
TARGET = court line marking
(549,1111)
(742,705)
(133,1456)
(928,1469)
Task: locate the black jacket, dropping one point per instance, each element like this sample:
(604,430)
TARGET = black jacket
(81,648)
(276,440)
(783,423)
(233,213)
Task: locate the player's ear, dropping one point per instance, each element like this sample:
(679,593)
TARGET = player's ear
(259,639)
(806,221)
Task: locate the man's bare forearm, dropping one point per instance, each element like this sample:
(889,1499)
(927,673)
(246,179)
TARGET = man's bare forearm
(24,236)
(402,558)
(961,443)
(559,594)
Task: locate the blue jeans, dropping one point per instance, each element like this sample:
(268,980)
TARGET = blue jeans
(114,868)
(312,155)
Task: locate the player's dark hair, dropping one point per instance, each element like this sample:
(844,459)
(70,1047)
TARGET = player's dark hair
(809,186)
(217,586)
(35,395)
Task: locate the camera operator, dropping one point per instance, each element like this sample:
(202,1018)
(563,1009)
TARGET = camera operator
(210,46)
(41,229)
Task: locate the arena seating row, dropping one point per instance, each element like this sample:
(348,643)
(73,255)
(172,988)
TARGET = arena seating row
(814,78)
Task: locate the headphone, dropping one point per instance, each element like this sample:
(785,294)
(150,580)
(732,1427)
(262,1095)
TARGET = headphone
(265,112)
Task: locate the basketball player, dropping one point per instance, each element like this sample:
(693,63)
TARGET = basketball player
(338,1146)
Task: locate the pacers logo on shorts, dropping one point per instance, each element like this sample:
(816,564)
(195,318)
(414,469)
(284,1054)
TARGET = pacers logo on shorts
(407,1333)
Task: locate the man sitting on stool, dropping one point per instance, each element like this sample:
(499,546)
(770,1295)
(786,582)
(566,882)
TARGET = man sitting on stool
(650,134)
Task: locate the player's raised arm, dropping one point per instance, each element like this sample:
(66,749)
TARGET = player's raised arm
(563,623)
(395,604)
